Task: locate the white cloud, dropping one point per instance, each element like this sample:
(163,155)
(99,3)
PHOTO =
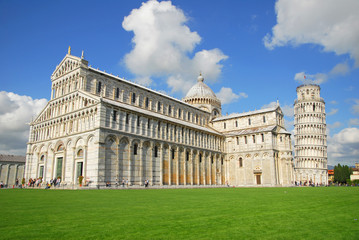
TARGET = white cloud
(162,44)
(340,69)
(334,125)
(15,113)
(269,105)
(333,102)
(350,88)
(330,23)
(289,126)
(343,147)
(319,78)
(333,111)
(226,95)
(288,110)
(354,121)
(355,107)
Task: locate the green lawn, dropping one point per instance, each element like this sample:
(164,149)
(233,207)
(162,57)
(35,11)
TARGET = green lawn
(223,213)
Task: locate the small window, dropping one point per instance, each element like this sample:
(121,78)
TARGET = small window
(169,110)
(159,106)
(156,151)
(159,126)
(187,156)
(264,119)
(133,97)
(313,108)
(254,138)
(127,118)
(249,121)
(135,146)
(42,158)
(224,125)
(148,123)
(236,123)
(179,113)
(222,161)
(281,139)
(262,137)
(60,148)
(189,116)
(117,92)
(245,139)
(212,159)
(147,102)
(99,87)
(173,154)
(138,121)
(80,153)
(200,158)
(114,116)
(240,162)
(237,140)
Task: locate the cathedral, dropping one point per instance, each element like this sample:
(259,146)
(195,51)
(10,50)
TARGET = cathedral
(106,129)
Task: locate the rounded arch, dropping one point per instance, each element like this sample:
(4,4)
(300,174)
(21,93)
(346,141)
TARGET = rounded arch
(89,138)
(112,137)
(59,146)
(79,142)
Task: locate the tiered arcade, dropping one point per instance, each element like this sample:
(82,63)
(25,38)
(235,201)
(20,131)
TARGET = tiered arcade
(310,136)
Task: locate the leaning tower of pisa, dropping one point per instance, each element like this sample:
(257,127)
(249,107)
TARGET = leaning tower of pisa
(310,136)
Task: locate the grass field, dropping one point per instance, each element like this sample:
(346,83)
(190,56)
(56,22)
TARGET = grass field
(222,213)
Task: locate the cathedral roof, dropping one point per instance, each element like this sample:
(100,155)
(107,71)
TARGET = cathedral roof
(200,90)
(142,87)
(161,116)
(252,130)
(12,158)
(236,115)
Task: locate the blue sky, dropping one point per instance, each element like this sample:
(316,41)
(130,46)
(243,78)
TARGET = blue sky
(35,36)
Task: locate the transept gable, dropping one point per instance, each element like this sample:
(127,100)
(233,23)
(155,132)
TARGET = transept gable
(68,64)
(279,110)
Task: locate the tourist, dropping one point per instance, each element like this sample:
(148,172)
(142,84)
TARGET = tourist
(1,184)
(123,182)
(16,182)
(127,182)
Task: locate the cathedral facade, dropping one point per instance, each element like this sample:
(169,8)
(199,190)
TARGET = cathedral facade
(105,129)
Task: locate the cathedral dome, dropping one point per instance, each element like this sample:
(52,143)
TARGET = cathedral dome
(202,96)
(200,90)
